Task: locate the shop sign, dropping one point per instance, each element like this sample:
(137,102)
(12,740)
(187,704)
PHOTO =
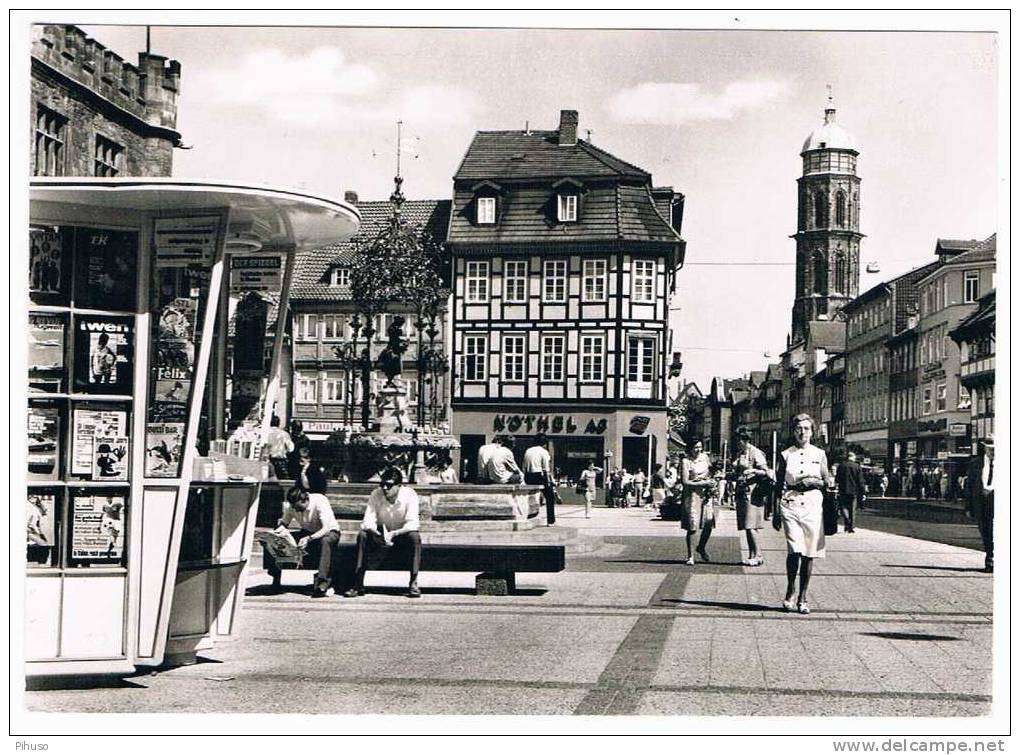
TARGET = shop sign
(639,424)
(255,273)
(546,423)
(932,425)
(933,371)
(590,455)
(181,242)
(311,426)
(942,455)
(958,429)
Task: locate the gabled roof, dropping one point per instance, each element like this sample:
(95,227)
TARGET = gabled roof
(983,251)
(538,154)
(954,246)
(311,267)
(979,322)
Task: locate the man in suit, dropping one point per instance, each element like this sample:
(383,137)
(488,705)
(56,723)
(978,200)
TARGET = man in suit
(850,488)
(980,492)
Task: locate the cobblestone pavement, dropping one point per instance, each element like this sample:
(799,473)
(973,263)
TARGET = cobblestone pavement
(900,627)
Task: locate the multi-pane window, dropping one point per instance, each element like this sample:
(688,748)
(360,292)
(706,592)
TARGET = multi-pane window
(566,208)
(963,400)
(340,276)
(515,281)
(554,281)
(593,281)
(332,388)
(474,358)
(50,133)
(306,388)
(643,281)
(513,358)
(109,156)
(593,358)
(641,360)
(333,327)
(940,397)
(970,286)
(552,357)
(486,210)
(305,327)
(476,282)
(926,401)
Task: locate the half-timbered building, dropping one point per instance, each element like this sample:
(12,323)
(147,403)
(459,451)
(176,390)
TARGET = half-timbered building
(564,260)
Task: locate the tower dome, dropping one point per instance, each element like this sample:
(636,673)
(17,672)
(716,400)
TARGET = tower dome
(829,135)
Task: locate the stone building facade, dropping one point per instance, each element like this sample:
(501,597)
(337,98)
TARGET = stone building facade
(95,114)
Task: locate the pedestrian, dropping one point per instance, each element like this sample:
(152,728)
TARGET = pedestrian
(312,516)
(391,520)
(617,493)
(484,454)
(278,446)
(501,467)
(640,487)
(538,471)
(802,477)
(749,473)
(850,489)
(658,486)
(696,511)
(299,441)
(587,485)
(309,475)
(883,485)
(447,474)
(980,492)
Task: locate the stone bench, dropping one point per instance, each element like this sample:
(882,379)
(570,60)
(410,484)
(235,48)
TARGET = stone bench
(497,564)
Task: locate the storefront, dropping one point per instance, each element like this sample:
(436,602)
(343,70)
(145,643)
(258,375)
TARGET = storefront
(630,438)
(138,525)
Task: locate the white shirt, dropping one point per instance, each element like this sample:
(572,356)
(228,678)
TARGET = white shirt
(484,454)
(537,459)
(588,477)
(402,514)
(501,466)
(278,443)
(318,516)
(804,462)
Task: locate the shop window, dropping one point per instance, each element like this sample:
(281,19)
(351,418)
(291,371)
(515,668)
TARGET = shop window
(553,358)
(475,348)
(593,358)
(50,135)
(554,282)
(486,208)
(515,281)
(476,282)
(593,281)
(971,279)
(514,357)
(108,158)
(643,283)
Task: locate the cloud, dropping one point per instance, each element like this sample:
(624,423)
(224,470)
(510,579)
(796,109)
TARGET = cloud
(673,103)
(322,88)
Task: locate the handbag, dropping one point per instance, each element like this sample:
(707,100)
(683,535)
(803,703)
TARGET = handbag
(830,513)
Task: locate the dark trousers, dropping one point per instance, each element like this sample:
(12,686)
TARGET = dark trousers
(372,551)
(847,508)
(324,576)
(984,514)
(548,493)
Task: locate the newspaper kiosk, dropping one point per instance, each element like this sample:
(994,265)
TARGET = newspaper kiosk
(137,537)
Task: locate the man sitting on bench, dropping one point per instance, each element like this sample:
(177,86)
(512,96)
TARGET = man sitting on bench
(312,515)
(390,522)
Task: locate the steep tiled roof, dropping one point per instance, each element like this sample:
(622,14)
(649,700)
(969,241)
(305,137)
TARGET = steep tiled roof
(983,252)
(522,155)
(980,321)
(954,246)
(311,268)
(829,335)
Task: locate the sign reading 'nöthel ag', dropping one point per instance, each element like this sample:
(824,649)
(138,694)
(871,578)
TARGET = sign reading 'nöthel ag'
(553,424)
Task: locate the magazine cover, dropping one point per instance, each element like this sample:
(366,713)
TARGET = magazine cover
(46,339)
(164,442)
(104,354)
(172,385)
(47,267)
(106,269)
(43,442)
(175,335)
(40,527)
(110,458)
(88,424)
(97,527)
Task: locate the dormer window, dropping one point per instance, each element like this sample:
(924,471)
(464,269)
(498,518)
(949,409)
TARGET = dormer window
(340,276)
(486,211)
(567,208)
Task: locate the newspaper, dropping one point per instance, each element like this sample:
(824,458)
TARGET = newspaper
(281,546)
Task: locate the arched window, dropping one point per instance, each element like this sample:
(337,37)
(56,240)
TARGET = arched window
(821,272)
(821,210)
(840,209)
(839,278)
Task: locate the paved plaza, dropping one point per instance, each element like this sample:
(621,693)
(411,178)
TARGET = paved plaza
(900,627)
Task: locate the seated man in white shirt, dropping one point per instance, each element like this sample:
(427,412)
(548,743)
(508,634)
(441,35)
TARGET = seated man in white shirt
(484,455)
(390,521)
(502,468)
(312,516)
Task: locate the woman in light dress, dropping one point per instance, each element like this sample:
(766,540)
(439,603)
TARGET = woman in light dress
(696,512)
(587,485)
(802,474)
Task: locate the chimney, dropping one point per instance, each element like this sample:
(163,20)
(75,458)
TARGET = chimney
(351,197)
(568,128)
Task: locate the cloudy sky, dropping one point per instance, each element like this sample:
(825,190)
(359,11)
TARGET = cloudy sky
(719,115)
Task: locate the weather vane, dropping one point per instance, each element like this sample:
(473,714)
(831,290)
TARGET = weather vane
(397,197)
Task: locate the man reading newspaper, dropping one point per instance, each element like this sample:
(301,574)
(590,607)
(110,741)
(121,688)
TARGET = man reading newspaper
(311,515)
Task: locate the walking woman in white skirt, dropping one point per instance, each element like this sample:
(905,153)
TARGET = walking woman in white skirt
(802,474)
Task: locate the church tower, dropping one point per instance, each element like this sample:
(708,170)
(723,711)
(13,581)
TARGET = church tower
(828,225)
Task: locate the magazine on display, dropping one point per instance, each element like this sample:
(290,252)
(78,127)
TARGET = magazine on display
(97,527)
(46,341)
(104,354)
(107,263)
(48,272)
(43,442)
(172,385)
(110,458)
(164,443)
(40,527)
(90,425)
